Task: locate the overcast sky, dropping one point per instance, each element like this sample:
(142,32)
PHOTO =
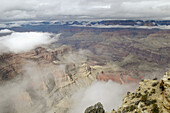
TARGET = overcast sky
(54,9)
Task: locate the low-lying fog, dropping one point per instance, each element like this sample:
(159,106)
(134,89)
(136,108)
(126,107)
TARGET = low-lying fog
(16,95)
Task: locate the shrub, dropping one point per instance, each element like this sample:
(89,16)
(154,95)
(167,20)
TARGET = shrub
(155,108)
(132,107)
(144,98)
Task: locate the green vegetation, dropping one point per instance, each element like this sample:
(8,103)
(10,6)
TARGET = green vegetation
(155,84)
(129,108)
(144,97)
(132,107)
(155,108)
(153,91)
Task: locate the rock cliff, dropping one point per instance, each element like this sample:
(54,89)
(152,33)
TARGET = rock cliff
(11,64)
(152,96)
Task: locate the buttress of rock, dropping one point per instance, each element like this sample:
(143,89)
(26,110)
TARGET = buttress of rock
(152,96)
(97,108)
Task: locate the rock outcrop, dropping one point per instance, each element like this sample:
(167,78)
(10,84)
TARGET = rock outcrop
(11,64)
(152,96)
(148,98)
(119,77)
(97,108)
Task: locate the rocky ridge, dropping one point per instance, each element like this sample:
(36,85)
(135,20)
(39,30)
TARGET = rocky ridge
(11,64)
(152,96)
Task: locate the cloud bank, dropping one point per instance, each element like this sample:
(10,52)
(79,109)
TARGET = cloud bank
(55,9)
(5,31)
(23,41)
(110,94)
(27,94)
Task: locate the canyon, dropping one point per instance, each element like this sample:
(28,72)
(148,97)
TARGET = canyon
(45,78)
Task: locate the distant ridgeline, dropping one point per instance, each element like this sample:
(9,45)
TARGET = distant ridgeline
(59,26)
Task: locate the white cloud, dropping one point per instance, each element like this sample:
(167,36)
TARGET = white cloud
(23,41)
(5,31)
(54,9)
(22,94)
(110,94)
